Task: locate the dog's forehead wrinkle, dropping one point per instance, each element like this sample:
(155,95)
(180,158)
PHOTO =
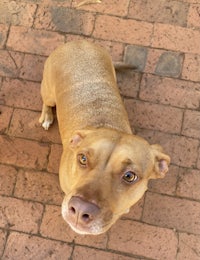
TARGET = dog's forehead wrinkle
(103,146)
(126,154)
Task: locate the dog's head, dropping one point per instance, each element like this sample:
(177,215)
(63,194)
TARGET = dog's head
(104,173)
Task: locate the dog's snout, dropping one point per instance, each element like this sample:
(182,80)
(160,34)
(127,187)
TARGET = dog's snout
(82,211)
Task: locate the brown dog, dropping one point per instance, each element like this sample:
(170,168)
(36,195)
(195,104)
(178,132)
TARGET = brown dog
(104,168)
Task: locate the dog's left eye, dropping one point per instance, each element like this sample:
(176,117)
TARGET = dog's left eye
(82,160)
(130,177)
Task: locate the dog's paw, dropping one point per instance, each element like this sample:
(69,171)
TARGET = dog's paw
(46,124)
(46,118)
(41,119)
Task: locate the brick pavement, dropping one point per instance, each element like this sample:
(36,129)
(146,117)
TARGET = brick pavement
(162,38)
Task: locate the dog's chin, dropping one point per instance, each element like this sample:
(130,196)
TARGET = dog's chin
(96,228)
(92,230)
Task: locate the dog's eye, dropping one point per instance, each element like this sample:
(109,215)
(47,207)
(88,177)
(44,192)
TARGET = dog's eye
(82,160)
(130,177)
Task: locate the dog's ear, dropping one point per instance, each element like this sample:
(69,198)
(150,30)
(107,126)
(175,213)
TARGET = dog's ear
(78,137)
(75,140)
(161,160)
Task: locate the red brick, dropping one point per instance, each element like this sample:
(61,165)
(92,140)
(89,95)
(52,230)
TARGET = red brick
(5,116)
(182,150)
(194,15)
(198,162)
(114,7)
(23,246)
(3,34)
(115,49)
(70,20)
(38,186)
(188,247)
(189,183)
(159,11)
(128,82)
(153,116)
(191,124)
(173,92)
(166,185)
(8,177)
(23,153)
(54,158)
(20,215)
(191,67)
(176,38)
(53,2)
(10,63)
(170,212)
(99,241)
(21,94)
(34,41)
(2,241)
(17,13)
(53,226)
(25,124)
(144,240)
(33,72)
(91,254)
(113,28)
(190,1)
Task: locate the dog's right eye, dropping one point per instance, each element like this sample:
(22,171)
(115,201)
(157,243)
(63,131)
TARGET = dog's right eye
(82,159)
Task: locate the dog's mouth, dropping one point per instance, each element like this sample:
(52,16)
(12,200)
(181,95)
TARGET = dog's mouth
(85,217)
(96,228)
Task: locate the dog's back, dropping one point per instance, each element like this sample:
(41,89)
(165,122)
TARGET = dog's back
(84,83)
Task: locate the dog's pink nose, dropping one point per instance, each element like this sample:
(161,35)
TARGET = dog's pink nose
(82,211)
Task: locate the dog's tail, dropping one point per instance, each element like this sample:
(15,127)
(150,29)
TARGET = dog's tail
(123,66)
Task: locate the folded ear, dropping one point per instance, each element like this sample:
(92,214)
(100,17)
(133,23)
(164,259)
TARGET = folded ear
(78,137)
(162,162)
